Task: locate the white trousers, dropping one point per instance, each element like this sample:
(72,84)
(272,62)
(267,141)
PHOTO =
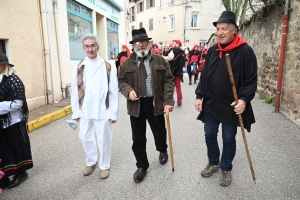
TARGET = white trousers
(103,130)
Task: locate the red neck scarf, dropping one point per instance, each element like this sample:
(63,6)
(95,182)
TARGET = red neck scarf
(236,42)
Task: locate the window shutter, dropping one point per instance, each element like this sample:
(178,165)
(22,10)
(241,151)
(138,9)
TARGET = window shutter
(147,4)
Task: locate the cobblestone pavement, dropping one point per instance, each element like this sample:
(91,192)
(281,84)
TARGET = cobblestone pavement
(59,161)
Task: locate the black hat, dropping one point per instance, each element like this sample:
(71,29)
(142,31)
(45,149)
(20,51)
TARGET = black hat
(227,16)
(139,34)
(4,59)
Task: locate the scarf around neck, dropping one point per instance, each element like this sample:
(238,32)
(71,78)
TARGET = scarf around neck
(236,42)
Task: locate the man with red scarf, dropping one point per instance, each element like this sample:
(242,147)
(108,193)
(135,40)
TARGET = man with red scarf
(214,97)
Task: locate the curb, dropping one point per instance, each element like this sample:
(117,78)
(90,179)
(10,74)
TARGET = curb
(34,124)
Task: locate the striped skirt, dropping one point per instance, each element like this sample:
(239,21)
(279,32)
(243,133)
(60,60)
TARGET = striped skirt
(15,151)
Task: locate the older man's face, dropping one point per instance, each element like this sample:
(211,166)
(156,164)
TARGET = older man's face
(224,33)
(141,48)
(91,48)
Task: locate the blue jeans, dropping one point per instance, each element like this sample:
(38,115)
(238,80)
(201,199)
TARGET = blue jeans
(229,144)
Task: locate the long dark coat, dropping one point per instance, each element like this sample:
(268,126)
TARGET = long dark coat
(215,87)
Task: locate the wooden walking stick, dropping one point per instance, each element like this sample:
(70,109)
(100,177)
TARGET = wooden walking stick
(170,141)
(229,68)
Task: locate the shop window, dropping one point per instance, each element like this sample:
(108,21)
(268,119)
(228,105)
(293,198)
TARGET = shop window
(79,23)
(112,39)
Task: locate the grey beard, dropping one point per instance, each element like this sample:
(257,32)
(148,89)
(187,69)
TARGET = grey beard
(142,53)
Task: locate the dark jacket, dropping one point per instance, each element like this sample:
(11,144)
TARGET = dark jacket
(162,83)
(178,62)
(215,87)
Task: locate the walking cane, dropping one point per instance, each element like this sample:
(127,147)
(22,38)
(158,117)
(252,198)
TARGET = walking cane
(170,141)
(229,68)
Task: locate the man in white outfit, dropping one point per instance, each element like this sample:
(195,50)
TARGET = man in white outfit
(95,105)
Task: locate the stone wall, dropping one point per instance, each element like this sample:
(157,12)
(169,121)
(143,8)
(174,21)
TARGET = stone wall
(265,39)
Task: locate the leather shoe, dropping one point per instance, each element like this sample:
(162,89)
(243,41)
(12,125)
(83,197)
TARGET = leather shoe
(163,157)
(4,183)
(139,175)
(17,180)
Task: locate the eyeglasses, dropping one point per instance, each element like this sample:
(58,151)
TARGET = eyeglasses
(93,46)
(141,42)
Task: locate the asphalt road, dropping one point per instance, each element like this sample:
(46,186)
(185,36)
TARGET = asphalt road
(59,161)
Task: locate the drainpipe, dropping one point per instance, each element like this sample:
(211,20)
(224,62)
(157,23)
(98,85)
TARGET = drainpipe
(50,53)
(285,22)
(59,43)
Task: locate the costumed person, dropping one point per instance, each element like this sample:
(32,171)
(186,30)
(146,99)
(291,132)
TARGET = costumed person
(95,104)
(193,58)
(15,150)
(214,96)
(146,81)
(165,51)
(155,49)
(125,53)
(176,58)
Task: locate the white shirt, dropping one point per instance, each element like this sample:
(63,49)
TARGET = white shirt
(12,107)
(96,87)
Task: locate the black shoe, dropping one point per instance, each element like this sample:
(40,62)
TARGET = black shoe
(163,157)
(139,175)
(178,105)
(18,179)
(4,183)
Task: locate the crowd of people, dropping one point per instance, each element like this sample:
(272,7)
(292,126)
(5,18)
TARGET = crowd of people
(146,76)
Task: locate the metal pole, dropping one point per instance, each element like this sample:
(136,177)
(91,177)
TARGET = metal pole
(50,54)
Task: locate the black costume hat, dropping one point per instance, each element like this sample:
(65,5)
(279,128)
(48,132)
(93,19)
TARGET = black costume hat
(4,59)
(139,34)
(227,16)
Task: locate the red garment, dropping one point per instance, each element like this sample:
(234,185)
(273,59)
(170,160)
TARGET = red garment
(236,42)
(178,42)
(156,51)
(177,80)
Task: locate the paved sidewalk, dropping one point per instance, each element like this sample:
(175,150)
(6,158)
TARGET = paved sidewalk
(59,161)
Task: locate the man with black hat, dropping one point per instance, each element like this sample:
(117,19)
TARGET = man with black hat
(146,81)
(214,97)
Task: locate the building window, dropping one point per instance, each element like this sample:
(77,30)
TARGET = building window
(159,4)
(140,7)
(150,3)
(151,24)
(2,46)
(132,14)
(195,20)
(132,27)
(164,19)
(141,24)
(171,2)
(79,23)
(171,23)
(112,39)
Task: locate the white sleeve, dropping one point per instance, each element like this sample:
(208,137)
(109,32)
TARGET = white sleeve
(9,106)
(170,56)
(74,95)
(113,96)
